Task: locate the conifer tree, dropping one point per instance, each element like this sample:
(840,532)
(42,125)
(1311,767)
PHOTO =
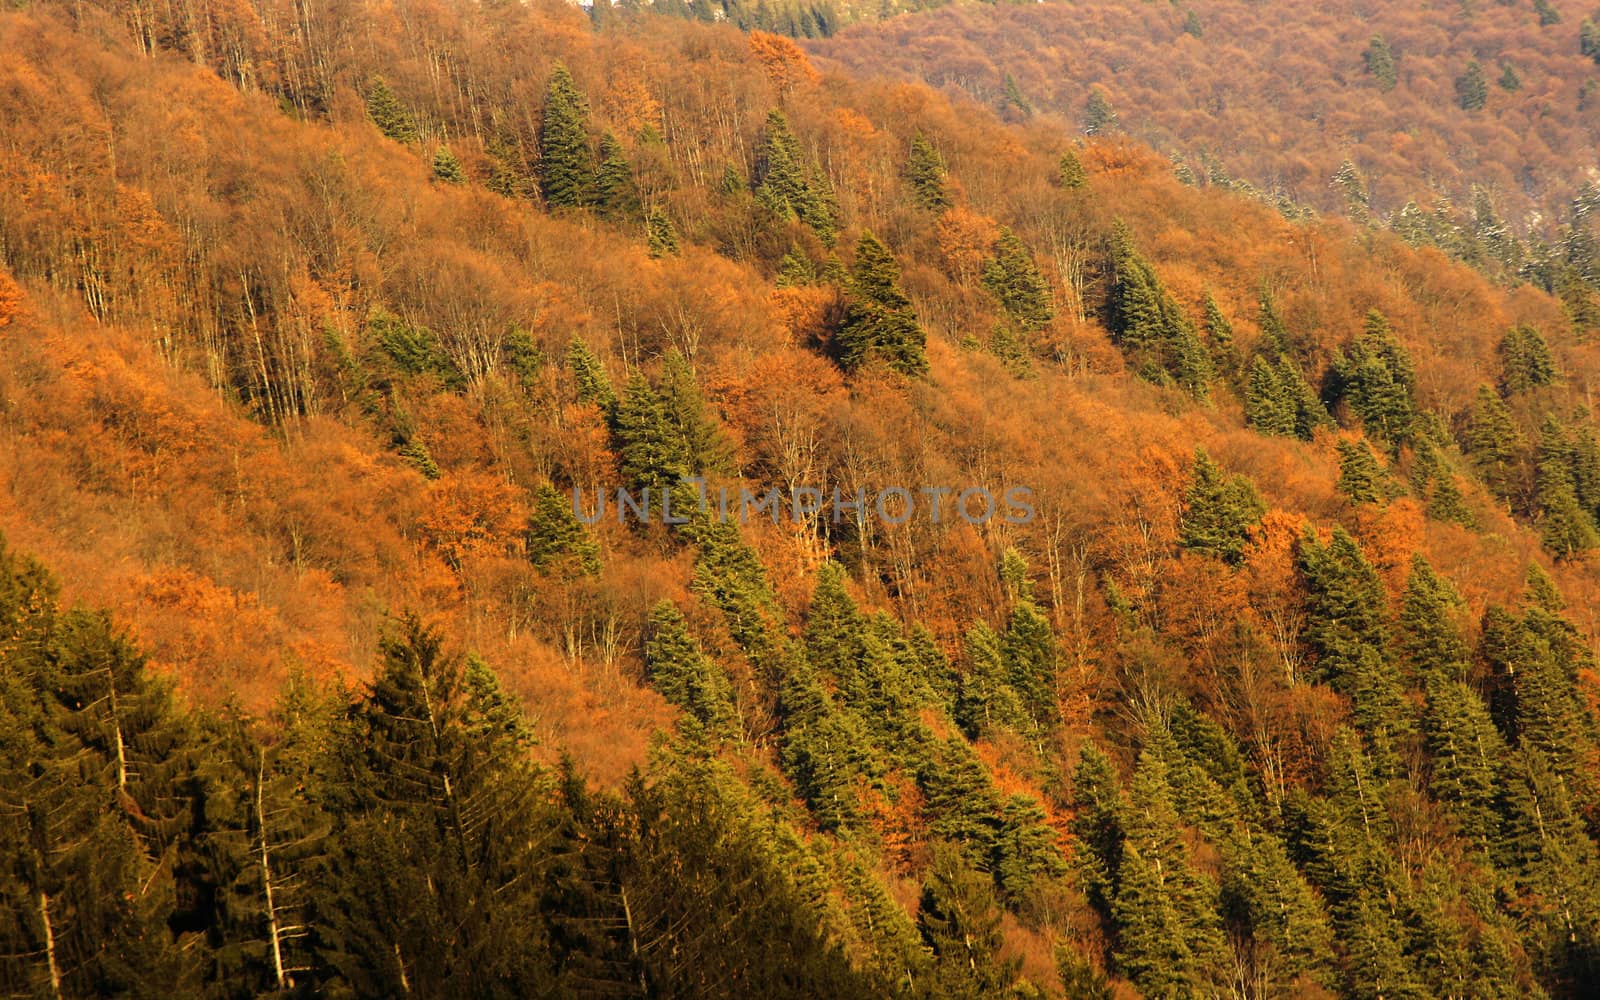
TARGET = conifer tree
(1361,478)
(386,112)
(706,450)
(1267,405)
(1098,115)
(960,922)
(1012,278)
(1376,378)
(556,540)
(684,675)
(785,184)
(661,237)
(1589,39)
(1472,88)
(1026,850)
(986,700)
(1070,173)
(878,322)
(446,168)
(1525,362)
(1097,826)
(1219,512)
(1466,755)
(925,173)
(1493,442)
(1448,505)
(566,162)
(1510,81)
(593,384)
(616,196)
(795,270)
(1224,352)
(651,452)
(1380,62)
(1148,325)
(1429,637)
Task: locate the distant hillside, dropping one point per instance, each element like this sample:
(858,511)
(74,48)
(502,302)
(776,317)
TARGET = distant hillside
(1244,91)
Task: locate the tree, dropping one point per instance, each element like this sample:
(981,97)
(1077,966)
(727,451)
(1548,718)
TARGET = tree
(960,921)
(878,322)
(925,173)
(593,384)
(556,540)
(1472,88)
(1429,637)
(1279,401)
(684,676)
(705,448)
(1361,478)
(1098,115)
(1012,278)
(1493,442)
(660,235)
(1589,40)
(386,112)
(1509,81)
(1380,63)
(446,168)
(1148,325)
(1219,512)
(1376,378)
(785,184)
(651,452)
(566,163)
(1070,173)
(1525,362)
(616,195)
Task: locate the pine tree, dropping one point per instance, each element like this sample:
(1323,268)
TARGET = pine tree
(925,173)
(1548,15)
(1380,62)
(1267,405)
(795,270)
(661,236)
(1376,378)
(1026,850)
(878,322)
(986,700)
(1466,754)
(1429,637)
(1525,362)
(1448,505)
(1509,81)
(446,168)
(1098,115)
(1262,890)
(1493,442)
(1358,203)
(681,672)
(1224,352)
(1361,478)
(1070,172)
(616,195)
(1012,278)
(1589,40)
(705,448)
(784,183)
(566,163)
(1567,525)
(651,452)
(386,112)
(960,921)
(1219,512)
(556,540)
(593,384)
(1472,88)
(1149,326)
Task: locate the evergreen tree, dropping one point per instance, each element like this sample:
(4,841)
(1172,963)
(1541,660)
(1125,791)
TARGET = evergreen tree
(705,449)
(1358,203)
(1380,62)
(1361,478)
(1376,378)
(661,237)
(1098,115)
(1219,512)
(566,163)
(1589,40)
(1493,442)
(683,674)
(1014,280)
(446,168)
(1548,15)
(1466,754)
(1026,849)
(1148,325)
(1448,505)
(1567,525)
(879,323)
(1070,172)
(1510,82)
(1429,637)
(925,173)
(1224,353)
(1472,88)
(1279,400)
(960,922)
(784,183)
(556,540)
(986,700)
(1525,362)
(651,452)
(386,112)
(616,195)
(593,384)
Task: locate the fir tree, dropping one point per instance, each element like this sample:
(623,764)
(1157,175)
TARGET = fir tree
(650,451)
(1361,478)
(1589,40)
(1070,173)
(1219,512)
(1148,325)
(616,195)
(784,183)
(566,163)
(1224,352)
(386,112)
(1429,637)
(661,237)
(593,384)
(960,922)
(681,672)
(1493,442)
(1380,62)
(1466,755)
(925,173)
(556,540)
(1525,362)
(1026,849)
(1472,88)
(878,322)
(446,168)
(1548,15)
(1448,505)
(1014,280)
(1376,378)
(1509,81)
(1098,115)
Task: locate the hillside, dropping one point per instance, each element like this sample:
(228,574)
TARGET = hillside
(1238,94)
(312,319)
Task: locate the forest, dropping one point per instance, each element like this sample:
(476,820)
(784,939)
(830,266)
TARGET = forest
(1470,127)
(313,682)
